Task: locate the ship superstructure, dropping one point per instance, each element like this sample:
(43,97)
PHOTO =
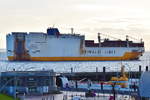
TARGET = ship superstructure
(53,46)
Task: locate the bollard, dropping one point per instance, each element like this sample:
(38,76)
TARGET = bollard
(71,70)
(140,71)
(140,68)
(104,73)
(96,69)
(97,74)
(146,68)
(104,69)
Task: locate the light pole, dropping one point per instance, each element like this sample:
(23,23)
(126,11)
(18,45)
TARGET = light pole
(129,68)
(15,85)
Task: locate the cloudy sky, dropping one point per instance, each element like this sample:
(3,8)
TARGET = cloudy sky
(111,17)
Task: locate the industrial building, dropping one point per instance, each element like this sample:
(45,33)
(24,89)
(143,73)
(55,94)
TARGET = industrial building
(28,82)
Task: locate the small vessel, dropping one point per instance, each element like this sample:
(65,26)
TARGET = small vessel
(55,46)
(122,80)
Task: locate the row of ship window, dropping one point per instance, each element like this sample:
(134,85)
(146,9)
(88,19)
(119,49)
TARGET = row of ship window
(99,52)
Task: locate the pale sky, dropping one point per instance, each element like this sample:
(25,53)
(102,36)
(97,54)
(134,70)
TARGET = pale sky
(112,17)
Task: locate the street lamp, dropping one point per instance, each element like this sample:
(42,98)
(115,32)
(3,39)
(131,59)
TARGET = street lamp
(129,68)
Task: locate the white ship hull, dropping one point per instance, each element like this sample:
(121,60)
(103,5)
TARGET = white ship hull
(43,47)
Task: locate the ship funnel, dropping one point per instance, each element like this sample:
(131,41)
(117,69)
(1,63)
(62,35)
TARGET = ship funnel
(53,31)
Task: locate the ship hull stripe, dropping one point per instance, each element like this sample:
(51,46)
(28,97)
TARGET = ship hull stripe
(126,56)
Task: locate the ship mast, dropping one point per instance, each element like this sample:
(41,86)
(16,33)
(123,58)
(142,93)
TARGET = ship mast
(99,39)
(127,39)
(72,31)
(141,40)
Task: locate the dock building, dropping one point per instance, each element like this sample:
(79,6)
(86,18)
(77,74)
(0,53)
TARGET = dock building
(28,82)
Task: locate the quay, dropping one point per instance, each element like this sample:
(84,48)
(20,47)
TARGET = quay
(98,76)
(42,85)
(104,75)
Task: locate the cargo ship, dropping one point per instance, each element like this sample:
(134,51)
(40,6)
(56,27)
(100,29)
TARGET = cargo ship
(56,46)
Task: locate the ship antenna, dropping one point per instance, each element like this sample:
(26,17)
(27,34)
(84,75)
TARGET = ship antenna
(72,31)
